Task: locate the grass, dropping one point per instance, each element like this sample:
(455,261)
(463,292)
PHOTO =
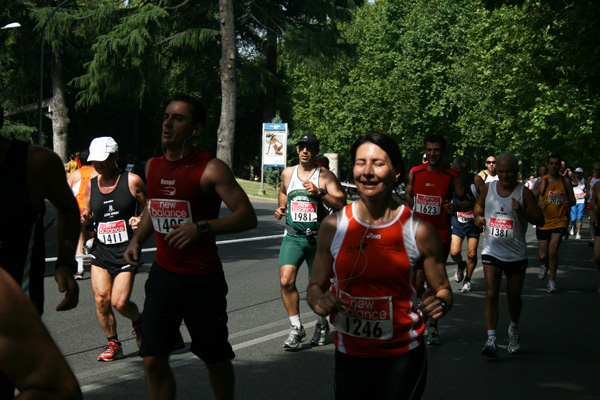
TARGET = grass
(251,188)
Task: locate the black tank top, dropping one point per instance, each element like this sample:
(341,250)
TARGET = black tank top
(112,212)
(22,251)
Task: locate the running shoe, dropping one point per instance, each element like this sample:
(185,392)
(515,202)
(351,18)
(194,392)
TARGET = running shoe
(297,335)
(572,233)
(111,352)
(459,275)
(578,236)
(320,335)
(137,331)
(433,336)
(490,350)
(552,287)
(466,287)
(543,272)
(514,342)
(79,276)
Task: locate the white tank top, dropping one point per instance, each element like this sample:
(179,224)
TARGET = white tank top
(505,230)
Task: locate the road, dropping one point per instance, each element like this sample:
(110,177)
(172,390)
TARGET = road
(559,334)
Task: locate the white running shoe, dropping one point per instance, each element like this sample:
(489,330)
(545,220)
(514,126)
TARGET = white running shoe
(514,342)
(297,335)
(572,231)
(466,287)
(320,336)
(543,272)
(490,350)
(552,287)
(578,236)
(459,275)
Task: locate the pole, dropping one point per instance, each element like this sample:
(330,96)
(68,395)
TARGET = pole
(39,135)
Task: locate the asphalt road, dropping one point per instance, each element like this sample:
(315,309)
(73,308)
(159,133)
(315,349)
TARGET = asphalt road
(559,334)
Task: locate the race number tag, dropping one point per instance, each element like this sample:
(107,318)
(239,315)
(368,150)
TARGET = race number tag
(366,317)
(464,217)
(112,232)
(165,213)
(430,205)
(304,211)
(556,197)
(500,227)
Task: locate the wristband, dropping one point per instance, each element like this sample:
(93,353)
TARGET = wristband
(70,261)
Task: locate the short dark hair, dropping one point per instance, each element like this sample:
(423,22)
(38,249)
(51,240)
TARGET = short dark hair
(554,155)
(83,157)
(198,109)
(436,139)
(387,144)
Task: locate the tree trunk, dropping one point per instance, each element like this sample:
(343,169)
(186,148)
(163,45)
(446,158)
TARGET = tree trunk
(225,133)
(59,113)
(271,87)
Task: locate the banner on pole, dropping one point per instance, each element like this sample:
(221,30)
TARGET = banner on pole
(274,148)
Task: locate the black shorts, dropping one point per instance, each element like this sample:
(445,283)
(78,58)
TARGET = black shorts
(396,377)
(111,258)
(509,267)
(198,300)
(546,234)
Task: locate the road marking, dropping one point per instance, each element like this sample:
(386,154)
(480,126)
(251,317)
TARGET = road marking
(193,358)
(252,239)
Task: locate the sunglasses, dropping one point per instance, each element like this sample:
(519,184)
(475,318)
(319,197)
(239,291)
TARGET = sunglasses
(490,162)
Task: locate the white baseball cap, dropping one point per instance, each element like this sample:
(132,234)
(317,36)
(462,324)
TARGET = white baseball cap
(579,169)
(101,148)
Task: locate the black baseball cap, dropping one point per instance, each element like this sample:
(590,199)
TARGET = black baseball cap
(308,138)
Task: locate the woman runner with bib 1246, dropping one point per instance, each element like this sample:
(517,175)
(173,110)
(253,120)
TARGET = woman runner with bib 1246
(364,277)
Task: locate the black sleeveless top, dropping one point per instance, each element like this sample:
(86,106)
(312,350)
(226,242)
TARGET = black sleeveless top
(22,249)
(112,212)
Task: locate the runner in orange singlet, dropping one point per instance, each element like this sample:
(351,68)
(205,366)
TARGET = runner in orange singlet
(371,251)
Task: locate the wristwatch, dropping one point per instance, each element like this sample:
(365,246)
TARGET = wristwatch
(443,304)
(203,227)
(322,193)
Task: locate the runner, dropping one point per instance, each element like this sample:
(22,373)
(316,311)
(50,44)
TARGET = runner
(308,194)
(371,250)
(489,173)
(462,223)
(590,186)
(504,209)
(577,210)
(186,281)
(32,174)
(30,361)
(595,207)
(78,181)
(555,198)
(112,199)
(429,191)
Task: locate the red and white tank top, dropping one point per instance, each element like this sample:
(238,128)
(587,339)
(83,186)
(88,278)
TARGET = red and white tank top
(375,270)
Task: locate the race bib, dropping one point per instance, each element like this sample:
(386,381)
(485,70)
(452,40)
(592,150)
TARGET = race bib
(580,196)
(430,205)
(464,217)
(304,211)
(165,213)
(366,317)
(113,232)
(500,227)
(556,197)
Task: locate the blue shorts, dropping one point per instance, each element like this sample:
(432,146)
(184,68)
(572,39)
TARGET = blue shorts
(468,230)
(577,212)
